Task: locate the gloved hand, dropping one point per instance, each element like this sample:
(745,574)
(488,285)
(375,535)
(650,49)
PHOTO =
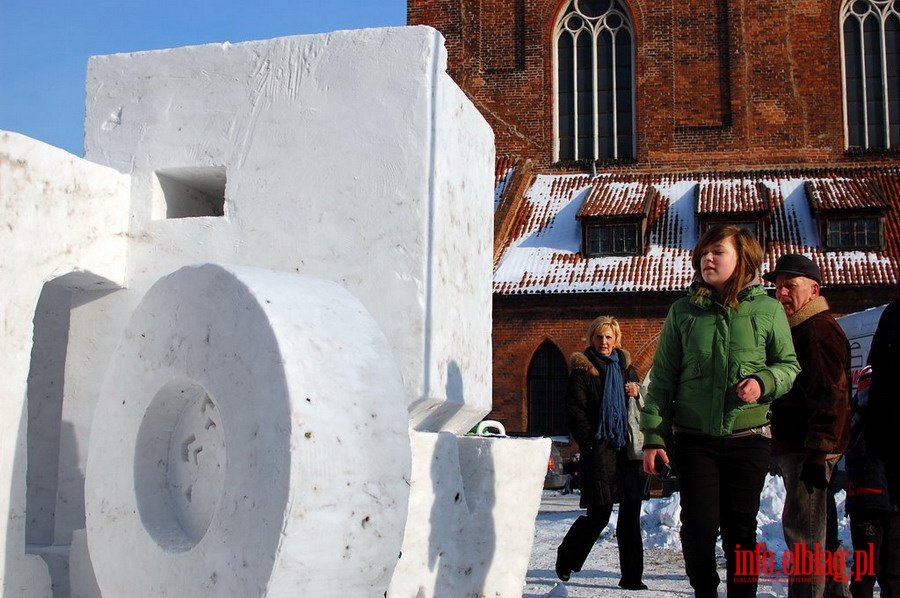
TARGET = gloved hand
(813,476)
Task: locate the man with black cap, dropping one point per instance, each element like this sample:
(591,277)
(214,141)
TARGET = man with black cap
(811,423)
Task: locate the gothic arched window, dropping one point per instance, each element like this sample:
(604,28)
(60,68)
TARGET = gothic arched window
(871,42)
(594,81)
(548,375)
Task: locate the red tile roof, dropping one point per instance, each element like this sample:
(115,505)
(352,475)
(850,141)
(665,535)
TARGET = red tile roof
(607,200)
(845,193)
(503,170)
(542,252)
(732,195)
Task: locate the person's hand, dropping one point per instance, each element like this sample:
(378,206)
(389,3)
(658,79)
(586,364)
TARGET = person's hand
(650,457)
(748,390)
(631,389)
(813,476)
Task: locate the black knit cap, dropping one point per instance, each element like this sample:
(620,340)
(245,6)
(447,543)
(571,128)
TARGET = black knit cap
(796,265)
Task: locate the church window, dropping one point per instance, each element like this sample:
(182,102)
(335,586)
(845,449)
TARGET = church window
(594,82)
(871,58)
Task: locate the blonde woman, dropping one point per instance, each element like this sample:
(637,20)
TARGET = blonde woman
(601,382)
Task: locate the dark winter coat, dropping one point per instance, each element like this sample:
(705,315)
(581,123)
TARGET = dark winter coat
(867,486)
(884,398)
(607,476)
(813,418)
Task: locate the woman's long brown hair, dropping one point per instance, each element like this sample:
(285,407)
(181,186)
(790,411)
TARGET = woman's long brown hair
(749,253)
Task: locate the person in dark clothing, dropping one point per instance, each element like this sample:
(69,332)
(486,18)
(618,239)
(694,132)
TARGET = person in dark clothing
(811,423)
(601,383)
(869,507)
(882,533)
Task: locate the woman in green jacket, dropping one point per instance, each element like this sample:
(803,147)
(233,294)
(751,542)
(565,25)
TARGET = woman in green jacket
(725,353)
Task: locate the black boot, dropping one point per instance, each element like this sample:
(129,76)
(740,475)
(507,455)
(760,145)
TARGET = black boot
(632,585)
(563,570)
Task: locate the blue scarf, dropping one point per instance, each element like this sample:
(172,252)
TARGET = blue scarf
(613,408)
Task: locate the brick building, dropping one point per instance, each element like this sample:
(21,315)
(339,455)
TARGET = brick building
(625,127)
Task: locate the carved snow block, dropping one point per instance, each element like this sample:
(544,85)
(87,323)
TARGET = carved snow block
(248,441)
(350,156)
(472,510)
(64,220)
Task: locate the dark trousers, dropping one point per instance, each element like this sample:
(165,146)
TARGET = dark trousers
(583,534)
(877,535)
(720,483)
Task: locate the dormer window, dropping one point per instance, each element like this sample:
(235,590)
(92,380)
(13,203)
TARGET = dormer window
(754,226)
(612,239)
(740,202)
(850,213)
(613,217)
(852,233)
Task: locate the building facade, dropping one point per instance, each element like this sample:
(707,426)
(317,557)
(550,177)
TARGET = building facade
(624,128)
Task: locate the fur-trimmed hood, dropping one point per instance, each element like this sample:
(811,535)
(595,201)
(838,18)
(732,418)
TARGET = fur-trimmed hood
(580,361)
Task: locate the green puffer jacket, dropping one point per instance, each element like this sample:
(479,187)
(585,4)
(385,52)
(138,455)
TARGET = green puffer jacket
(704,350)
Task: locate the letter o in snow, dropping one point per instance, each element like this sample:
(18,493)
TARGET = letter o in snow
(250,440)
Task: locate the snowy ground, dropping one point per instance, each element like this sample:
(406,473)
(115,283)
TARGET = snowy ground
(663,564)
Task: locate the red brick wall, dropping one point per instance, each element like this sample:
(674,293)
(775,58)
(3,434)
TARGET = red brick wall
(522,324)
(720,84)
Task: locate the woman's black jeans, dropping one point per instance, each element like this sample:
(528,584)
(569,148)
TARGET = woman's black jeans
(583,534)
(720,481)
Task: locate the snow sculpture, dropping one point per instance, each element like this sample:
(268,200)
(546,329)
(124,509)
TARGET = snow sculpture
(474,491)
(349,157)
(227,434)
(78,240)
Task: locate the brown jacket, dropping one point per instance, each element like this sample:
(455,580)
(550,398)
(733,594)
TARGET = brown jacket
(814,416)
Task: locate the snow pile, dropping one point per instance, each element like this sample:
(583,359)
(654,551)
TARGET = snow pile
(660,520)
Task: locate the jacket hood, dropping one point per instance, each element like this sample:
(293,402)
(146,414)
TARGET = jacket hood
(701,295)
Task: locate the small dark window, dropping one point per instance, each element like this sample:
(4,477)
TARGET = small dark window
(852,233)
(612,239)
(754,227)
(751,225)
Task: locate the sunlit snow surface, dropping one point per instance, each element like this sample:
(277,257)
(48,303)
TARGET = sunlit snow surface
(663,564)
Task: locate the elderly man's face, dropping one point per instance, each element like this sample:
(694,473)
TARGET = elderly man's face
(795,291)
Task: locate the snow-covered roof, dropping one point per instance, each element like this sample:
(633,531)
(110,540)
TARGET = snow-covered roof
(845,194)
(543,246)
(732,195)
